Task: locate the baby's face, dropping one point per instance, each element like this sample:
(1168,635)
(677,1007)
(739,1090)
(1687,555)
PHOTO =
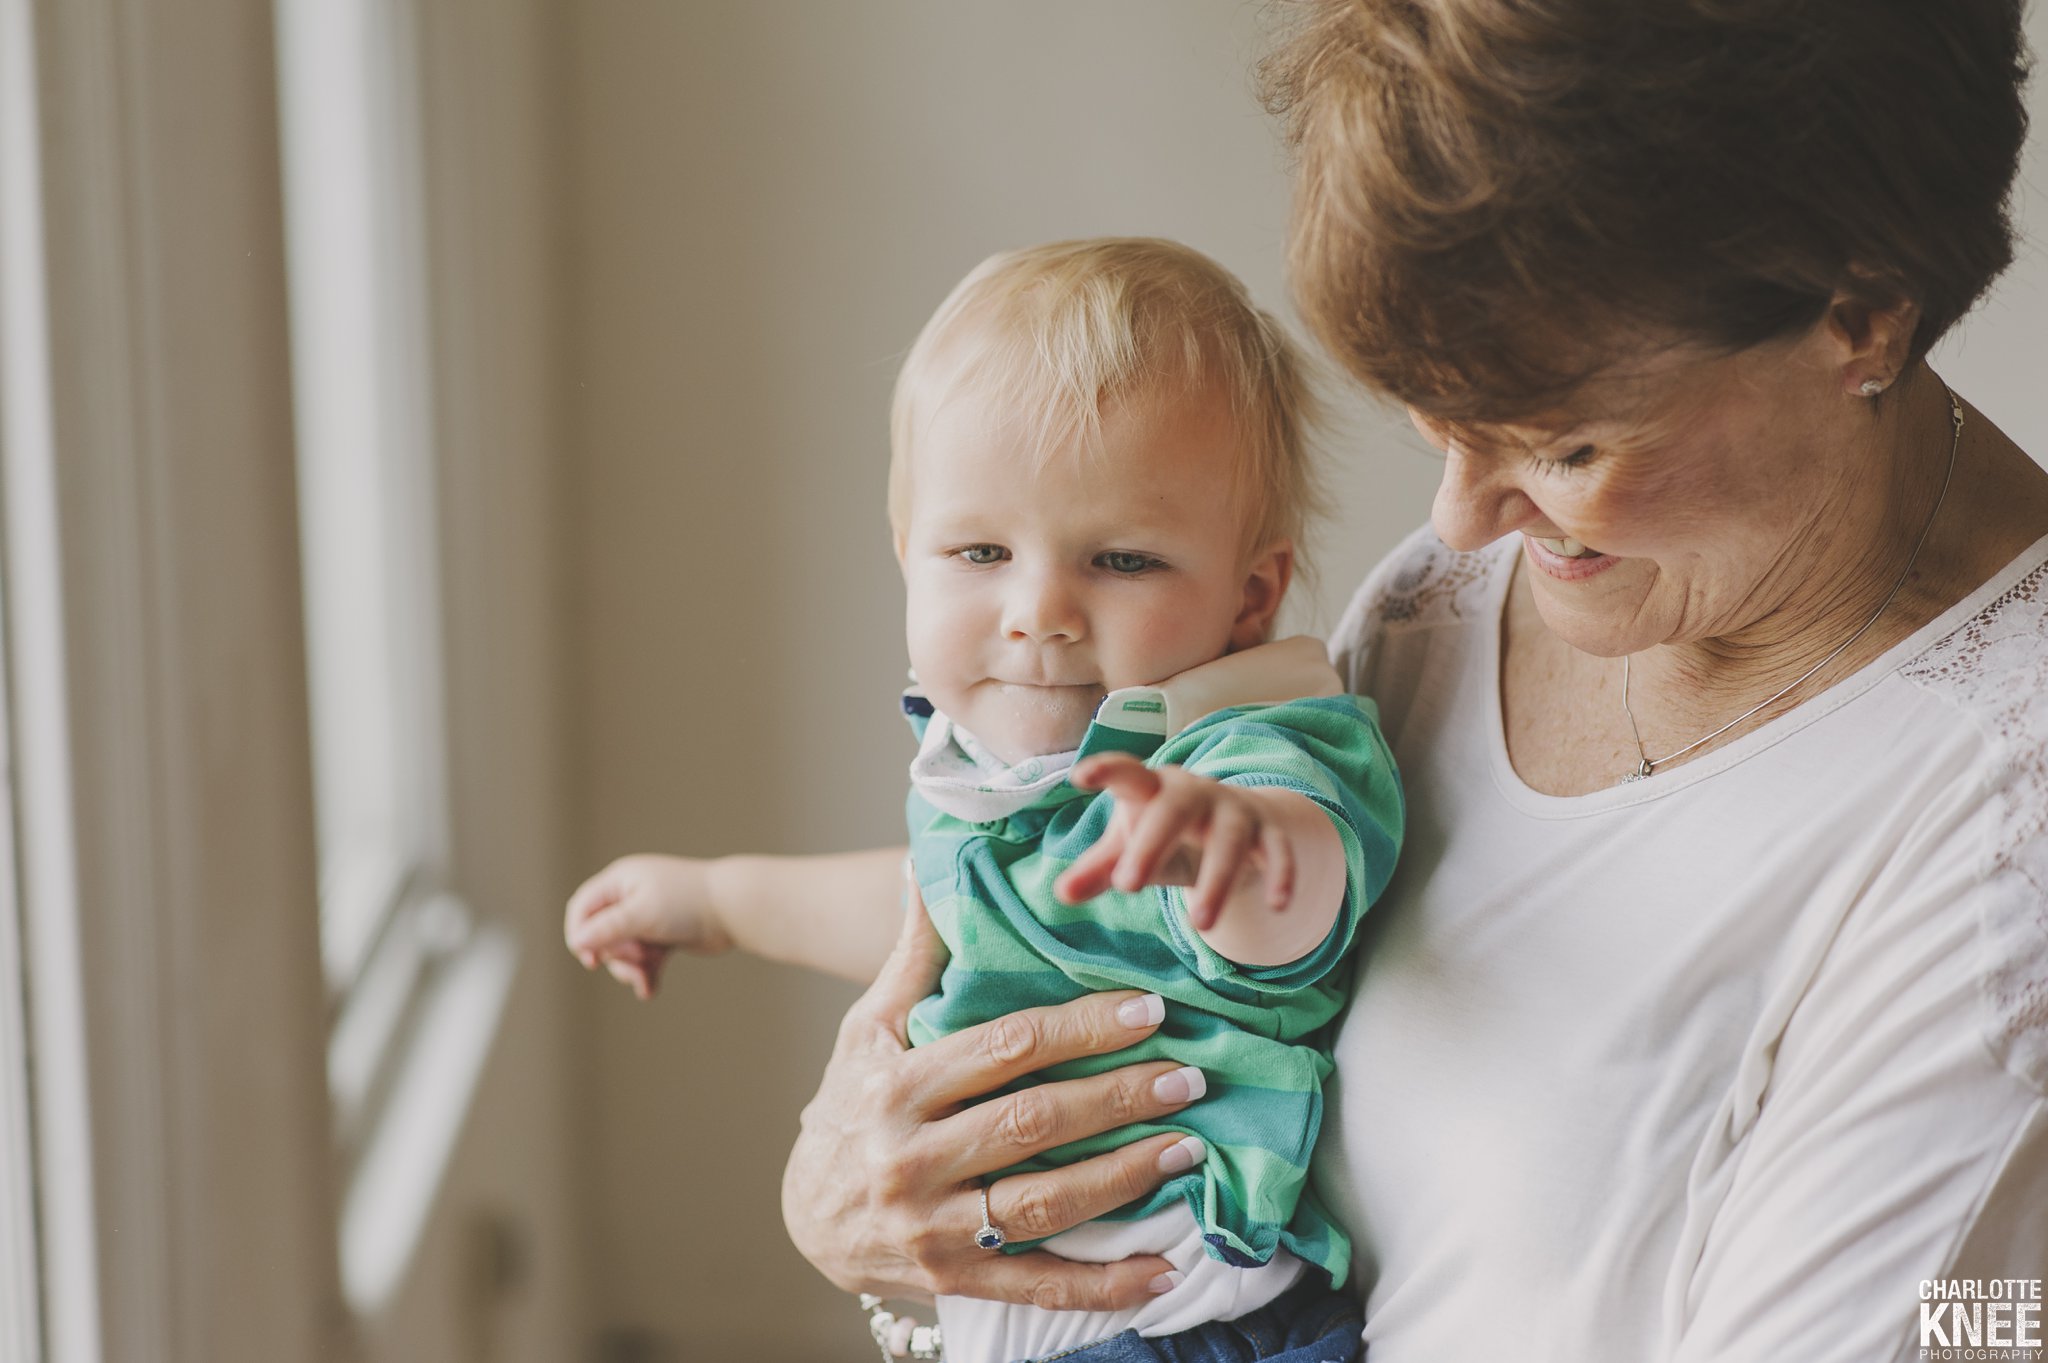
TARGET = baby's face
(1039,583)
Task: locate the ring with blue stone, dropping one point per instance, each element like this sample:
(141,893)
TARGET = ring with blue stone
(986,1236)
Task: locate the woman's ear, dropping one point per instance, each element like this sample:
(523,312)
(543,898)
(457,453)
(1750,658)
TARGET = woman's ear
(1870,341)
(1265,586)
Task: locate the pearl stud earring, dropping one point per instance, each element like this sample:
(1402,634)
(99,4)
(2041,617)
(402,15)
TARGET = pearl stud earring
(1871,387)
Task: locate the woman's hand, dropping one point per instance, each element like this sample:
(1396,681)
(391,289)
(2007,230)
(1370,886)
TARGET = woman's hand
(883,1189)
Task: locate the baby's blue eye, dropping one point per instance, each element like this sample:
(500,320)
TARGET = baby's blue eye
(984,554)
(1122,561)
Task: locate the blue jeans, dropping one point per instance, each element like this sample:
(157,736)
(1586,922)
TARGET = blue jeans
(1308,1323)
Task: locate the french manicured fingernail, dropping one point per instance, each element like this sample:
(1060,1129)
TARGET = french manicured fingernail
(1184,1153)
(1147,1010)
(1183,1085)
(1165,1282)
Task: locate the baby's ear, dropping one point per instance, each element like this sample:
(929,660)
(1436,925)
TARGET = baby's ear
(1265,586)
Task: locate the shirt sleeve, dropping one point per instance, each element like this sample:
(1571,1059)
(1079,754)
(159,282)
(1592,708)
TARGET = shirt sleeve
(1330,750)
(1897,1141)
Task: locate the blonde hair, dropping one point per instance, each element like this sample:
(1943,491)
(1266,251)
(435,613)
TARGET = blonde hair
(1051,334)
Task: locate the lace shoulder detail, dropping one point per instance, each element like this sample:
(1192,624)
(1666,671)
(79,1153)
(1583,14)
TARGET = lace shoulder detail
(1426,581)
(1995,667)
(1423,582)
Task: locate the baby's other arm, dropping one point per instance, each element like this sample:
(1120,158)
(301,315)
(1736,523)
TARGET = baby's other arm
(837,914)
(1269,866)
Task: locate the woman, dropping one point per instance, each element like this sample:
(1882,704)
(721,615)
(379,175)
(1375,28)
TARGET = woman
(1707,1017)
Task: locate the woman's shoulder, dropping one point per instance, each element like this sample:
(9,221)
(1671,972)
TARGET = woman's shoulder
(1988,662)
(1422,583)
(1991,669)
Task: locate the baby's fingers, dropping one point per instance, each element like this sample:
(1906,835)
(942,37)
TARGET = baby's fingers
(1278,854)
(591,897)
(635,952)
(598,936)
(1119,773)
(633,975)
(1089,876)
(608,924)
(1177,811)
(1232,833)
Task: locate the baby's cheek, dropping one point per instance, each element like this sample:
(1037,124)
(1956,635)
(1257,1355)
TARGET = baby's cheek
(1181,630)
(937,632)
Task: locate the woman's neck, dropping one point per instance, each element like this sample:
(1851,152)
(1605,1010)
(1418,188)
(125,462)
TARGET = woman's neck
(1872,566)
(1568,732)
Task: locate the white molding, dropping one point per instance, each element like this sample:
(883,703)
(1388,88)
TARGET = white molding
(419,994)
(396,1182)
(23,429)
(21,1307)
(40,719)
(165,798)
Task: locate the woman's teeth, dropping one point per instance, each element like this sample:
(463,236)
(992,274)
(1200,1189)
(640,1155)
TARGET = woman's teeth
(1566,548)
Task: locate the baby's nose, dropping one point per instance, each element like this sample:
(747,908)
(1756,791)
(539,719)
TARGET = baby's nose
(1045,608)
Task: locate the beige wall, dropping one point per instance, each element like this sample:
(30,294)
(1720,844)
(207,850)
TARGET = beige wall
(760,204)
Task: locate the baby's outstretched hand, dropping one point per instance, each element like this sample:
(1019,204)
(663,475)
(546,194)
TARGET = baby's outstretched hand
(1167,817)
(632,914)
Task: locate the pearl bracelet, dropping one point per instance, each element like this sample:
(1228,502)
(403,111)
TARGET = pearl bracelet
(900,1336)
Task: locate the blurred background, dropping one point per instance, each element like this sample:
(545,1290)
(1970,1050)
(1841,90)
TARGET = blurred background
(589,311)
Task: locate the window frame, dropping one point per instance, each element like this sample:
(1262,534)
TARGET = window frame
(21,1306)
(156,691)
(417,980)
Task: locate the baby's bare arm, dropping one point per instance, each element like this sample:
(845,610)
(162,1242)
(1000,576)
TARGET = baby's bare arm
(837,913)
(1254,926)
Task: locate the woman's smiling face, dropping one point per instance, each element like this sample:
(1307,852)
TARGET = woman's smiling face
(1685,499)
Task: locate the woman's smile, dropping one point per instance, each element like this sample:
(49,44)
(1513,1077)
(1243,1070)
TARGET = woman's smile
(1567,560)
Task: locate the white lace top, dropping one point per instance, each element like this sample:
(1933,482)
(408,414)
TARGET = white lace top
(1722,1065)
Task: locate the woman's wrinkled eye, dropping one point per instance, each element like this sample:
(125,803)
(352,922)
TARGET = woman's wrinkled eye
(1127,563)
(984,554)
(1578,458)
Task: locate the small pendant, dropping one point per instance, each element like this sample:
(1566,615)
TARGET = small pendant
(1639,773)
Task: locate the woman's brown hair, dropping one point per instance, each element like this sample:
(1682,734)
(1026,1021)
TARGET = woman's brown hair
(1497,198)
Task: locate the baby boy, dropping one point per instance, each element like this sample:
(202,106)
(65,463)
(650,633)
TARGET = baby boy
(1099,476)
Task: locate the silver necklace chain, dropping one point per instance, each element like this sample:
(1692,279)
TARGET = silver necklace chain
(1649,764)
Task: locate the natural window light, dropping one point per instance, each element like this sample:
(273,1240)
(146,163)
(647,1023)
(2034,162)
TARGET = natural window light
(415,983)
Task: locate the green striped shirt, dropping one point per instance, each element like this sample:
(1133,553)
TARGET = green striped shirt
(1260,1034)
